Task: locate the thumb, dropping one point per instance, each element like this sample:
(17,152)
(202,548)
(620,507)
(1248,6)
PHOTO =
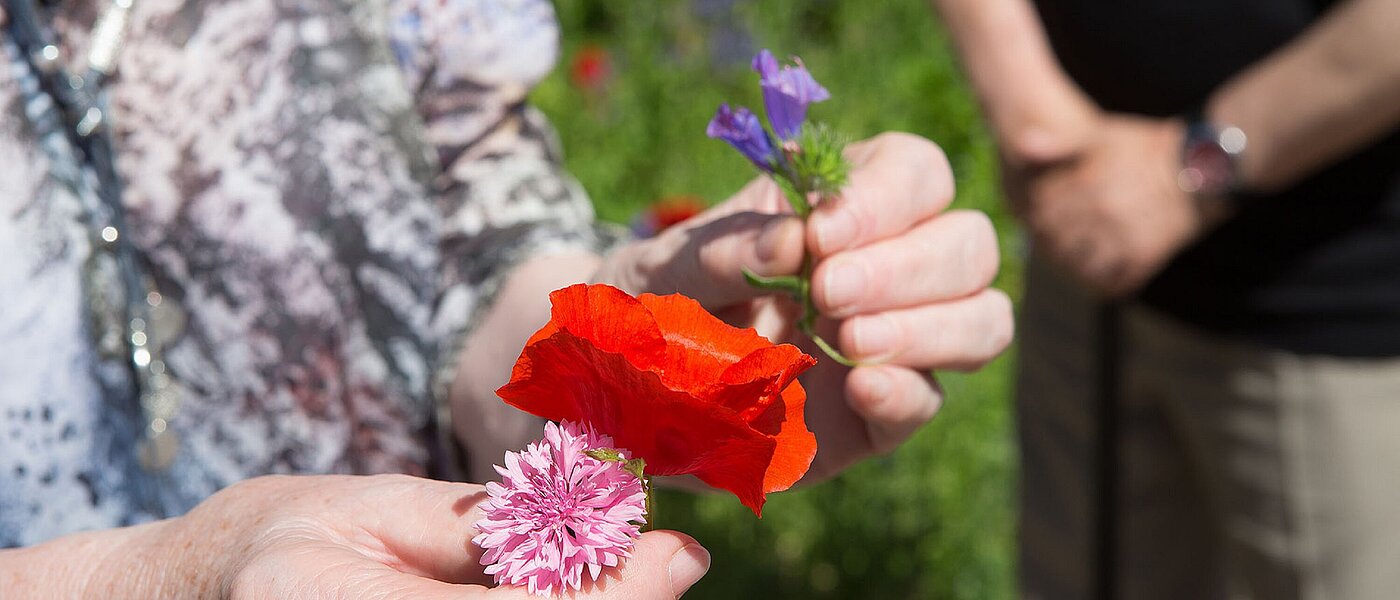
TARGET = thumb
(706,261)
(1037,146)
(663,566)
(1049,137)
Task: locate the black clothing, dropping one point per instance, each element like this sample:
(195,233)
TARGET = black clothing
(1315,269)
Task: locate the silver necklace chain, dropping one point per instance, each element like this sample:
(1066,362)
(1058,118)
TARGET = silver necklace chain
(128,316)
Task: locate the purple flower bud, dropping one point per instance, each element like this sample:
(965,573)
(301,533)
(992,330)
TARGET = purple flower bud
(787,90)
(741,129)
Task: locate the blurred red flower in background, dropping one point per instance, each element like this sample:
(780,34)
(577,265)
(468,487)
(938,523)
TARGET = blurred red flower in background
(674,385)
(666,213)
(591,68)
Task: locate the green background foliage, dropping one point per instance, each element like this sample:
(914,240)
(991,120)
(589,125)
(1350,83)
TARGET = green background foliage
(936,518)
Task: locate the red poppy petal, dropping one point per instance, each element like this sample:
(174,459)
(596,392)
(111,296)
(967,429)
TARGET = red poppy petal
(672,430)
(749,386)
(699,346)
(796,446)
(672,384)
(610,319)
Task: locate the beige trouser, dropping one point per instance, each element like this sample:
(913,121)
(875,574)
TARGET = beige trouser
(1243,472)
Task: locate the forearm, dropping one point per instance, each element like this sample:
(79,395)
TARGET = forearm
(114,563)
(481,421)
(1318,99)
(1013,69)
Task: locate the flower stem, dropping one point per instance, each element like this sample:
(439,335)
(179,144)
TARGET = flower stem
(807,323)
(650,523)
(800,286)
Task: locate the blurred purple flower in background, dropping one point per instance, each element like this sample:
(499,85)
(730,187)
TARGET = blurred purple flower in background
(741,129)
(728,35)
(787,90)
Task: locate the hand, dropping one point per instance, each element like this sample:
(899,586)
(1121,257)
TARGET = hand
(1104,203)
(329,537)
(902,285)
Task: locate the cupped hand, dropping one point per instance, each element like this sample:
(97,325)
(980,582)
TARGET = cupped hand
(1103,203)
(381,537)
(901,281)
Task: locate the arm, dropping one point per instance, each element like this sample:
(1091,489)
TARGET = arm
(325,537)
(1318,99)
(1098,191)
(116,563)
(1029,100)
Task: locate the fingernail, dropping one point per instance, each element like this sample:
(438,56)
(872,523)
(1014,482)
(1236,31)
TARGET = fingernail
(875,338)
(843,285)
(835,230)
(773,238)
(688,565)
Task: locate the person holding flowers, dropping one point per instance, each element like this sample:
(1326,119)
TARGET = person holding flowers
(246,243)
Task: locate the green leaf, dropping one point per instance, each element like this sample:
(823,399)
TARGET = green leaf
(604,454)
(636,466)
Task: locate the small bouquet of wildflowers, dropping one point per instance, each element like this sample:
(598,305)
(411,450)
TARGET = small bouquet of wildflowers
(640,387)
(803,158)
(637,387)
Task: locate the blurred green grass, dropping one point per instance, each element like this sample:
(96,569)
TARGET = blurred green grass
(936,518)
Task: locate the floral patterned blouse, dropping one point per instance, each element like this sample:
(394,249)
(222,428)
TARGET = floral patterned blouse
(331,189)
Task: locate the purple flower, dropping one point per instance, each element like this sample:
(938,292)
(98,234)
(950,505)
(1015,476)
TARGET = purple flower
(558,511)
(787,90)
(741,128)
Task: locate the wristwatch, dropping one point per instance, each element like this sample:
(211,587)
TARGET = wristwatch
(1210,160)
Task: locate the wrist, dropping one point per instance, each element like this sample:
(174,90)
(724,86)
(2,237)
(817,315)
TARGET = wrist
(114,563)
(1209,157)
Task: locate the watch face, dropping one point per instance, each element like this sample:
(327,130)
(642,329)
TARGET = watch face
(1206,168)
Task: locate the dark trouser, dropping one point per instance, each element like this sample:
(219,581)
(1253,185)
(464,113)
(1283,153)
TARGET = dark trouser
(1242,472)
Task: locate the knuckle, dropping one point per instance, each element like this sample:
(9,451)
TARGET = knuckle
(984,256)
(391,479)
(906,143)
(250,583)
(978,258)
(933,399)
(1002,322)
(885,442)
(931,165)
(642,265)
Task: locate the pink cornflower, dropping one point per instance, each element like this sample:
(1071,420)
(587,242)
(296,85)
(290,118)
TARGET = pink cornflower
(559,510)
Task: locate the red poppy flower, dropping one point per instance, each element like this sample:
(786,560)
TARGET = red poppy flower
(672,384)
(591,68)
(665,214)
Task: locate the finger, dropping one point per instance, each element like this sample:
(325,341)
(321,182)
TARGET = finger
(663,565)
(950,256)
(962,334)
(1056,127)
(1047,145)
(331,571)
(893,401)
(899,180)
(707,261)
(424,527)
(760,194)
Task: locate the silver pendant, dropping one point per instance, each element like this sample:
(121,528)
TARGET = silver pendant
(105,303)
(160,445)
(168,319)
(158,450)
